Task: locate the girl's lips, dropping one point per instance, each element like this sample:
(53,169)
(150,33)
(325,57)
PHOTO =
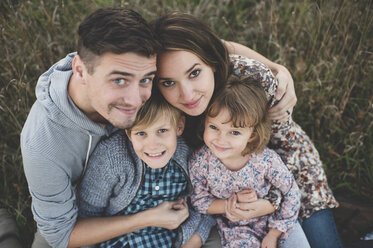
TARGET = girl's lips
(193,104)
(220,149)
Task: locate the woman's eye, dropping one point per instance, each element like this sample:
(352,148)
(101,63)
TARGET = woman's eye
(119,81)
(168,83)
(195,73)
(236,133)
(163,130)
(140,133)
(213,127)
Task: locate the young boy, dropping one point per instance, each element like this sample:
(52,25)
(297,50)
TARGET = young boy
(151,174)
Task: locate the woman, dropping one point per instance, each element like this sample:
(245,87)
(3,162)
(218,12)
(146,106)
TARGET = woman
(195,63)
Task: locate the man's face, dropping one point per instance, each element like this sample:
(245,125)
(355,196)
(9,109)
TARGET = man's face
(118,87)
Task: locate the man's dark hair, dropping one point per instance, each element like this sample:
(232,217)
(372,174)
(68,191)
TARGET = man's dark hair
(115,30)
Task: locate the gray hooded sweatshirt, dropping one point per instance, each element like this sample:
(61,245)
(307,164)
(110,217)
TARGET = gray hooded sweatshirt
(56,142)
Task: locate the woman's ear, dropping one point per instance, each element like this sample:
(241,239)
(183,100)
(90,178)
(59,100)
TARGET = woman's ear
(181,126)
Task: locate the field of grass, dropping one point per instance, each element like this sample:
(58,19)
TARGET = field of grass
(326,45)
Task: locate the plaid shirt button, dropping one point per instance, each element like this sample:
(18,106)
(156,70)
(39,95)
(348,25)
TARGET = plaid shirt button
(156,187)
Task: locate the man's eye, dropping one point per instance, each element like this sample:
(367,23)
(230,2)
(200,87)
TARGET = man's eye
(146,80)
(140,133)
(163,130)
(119,81)
(195,73)
(213,127)
(236,133)
(167,83)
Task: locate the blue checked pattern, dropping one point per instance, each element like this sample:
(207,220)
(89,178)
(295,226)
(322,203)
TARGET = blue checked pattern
(159,185)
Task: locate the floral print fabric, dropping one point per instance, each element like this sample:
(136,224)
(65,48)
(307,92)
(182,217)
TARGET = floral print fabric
(212,180)
(292,144)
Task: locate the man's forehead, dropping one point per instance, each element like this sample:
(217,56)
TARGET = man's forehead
(131,61)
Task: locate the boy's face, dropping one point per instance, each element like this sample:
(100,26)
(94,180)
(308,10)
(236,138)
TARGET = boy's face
(156,143)
(226,141)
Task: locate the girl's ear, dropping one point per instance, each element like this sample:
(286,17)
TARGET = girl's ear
(181,126)
(253,136)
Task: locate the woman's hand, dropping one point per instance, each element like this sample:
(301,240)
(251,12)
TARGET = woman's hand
(285,93)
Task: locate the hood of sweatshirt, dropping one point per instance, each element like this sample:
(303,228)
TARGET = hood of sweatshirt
(51,92)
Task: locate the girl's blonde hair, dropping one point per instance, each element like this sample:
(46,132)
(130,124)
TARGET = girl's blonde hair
(246,102)
(154,109)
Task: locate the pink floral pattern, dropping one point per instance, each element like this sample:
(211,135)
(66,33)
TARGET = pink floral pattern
(212,180)
(293,145)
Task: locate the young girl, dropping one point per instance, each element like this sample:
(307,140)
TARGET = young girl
(148,176)
(234,161)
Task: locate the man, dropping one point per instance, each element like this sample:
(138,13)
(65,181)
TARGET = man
(107,81)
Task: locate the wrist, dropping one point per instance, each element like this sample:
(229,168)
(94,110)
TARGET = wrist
(274,233)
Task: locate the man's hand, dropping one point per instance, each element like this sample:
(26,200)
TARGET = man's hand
(169,214)
(270,240)
(285,93)
(247,195)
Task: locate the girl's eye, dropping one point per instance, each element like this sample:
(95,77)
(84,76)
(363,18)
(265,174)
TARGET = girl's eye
(163,130)
(146,80)
(236,133)
(195,73)
(213,127)
(168,83)
(119,81)
(140,134)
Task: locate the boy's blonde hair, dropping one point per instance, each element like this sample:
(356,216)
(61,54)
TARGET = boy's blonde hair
(154,109)
(246,102)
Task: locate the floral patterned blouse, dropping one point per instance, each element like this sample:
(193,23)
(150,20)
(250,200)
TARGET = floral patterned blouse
(212,180)
(292,144)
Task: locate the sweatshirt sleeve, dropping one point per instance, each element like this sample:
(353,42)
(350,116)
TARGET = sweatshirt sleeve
(198,171)
(280,177)
(53,197)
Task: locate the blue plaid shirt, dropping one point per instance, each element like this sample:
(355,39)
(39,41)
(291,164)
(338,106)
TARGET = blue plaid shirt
(158,185)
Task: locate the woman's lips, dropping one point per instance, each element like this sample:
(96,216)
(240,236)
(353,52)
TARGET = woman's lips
(193,104)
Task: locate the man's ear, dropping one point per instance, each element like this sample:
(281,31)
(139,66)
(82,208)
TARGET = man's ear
(181,126)
(128,134)
(78,67)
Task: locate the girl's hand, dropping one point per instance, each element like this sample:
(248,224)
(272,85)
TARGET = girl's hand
(247,195)
(230,205)
(285,93)
(270,240)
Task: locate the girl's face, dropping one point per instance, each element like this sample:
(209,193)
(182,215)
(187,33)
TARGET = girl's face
(226,141)
(185,81)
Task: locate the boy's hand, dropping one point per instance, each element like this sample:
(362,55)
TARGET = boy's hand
(194,241)
(270,240)
(247,195)
(169,214)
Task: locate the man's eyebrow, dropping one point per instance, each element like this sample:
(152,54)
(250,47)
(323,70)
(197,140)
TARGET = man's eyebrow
(186,72)
(129,74)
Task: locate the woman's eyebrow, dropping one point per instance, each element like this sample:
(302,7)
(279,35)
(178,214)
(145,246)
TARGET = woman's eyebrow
(191,68)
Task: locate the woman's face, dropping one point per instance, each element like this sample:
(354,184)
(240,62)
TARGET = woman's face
(185,81)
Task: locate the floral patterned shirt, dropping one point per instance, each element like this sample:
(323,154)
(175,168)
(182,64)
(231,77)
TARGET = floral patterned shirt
(292,144)
(212,180)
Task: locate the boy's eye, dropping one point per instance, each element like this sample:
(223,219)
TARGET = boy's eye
(168,83)
(146,80)
(213,127)
(235,133)
(140,133)
(163,130)
(195,73)
(119,81)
